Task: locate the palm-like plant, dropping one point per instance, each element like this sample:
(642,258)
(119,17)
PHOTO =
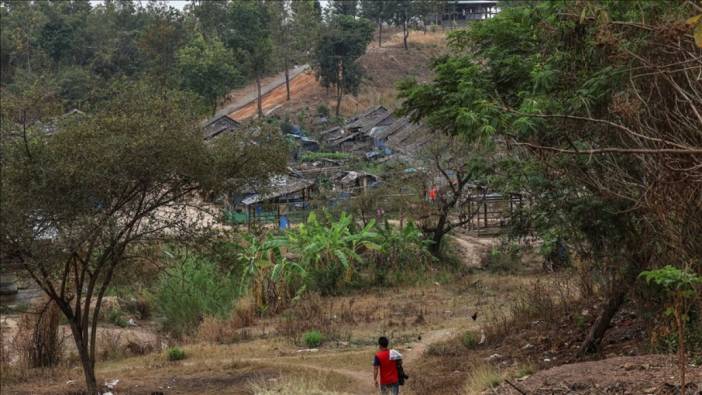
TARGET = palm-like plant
(268,273)
(329,251)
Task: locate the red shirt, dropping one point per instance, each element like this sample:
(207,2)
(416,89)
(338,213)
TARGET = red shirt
(388,368)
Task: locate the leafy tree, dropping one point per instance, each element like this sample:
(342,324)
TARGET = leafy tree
(586,117)
(344,7)
(211,16)
(342,42)
(205,68)
(160,40)
(249,36)
(461,170)
(280,33)
(378,11)
(125,177)
(305,28)
(404,12)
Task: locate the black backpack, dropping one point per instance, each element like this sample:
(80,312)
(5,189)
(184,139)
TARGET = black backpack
(401,376)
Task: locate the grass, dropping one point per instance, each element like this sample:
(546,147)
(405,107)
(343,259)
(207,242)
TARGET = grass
(302,383)
(313,156)
(481,378)
(292,386)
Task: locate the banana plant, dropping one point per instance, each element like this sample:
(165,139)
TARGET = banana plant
(267,271)
(331,248)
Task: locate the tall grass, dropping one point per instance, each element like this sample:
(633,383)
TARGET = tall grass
(191,289)
(481,378)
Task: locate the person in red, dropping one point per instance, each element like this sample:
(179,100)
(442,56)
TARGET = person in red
(386,368)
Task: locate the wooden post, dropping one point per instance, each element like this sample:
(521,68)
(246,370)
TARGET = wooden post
(485,212)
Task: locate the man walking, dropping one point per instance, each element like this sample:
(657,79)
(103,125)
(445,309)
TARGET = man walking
(385,369)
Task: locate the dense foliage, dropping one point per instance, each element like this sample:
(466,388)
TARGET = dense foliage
(593,119)
(191,288)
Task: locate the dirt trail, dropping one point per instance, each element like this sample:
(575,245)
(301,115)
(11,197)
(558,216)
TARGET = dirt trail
(363,378)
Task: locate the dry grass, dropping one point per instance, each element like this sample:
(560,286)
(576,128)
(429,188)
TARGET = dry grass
(229,330)
(482,377)
(37,343)
(295,385)
(542,300)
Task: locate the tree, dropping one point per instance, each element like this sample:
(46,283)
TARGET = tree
(280,33)
(305,28)
(342,42)
(249,35)
(404,12)
(378,11)
(461,170)
(83,203)
(205,68)
(211,16)
(608,154)
(344,7)
(160,41)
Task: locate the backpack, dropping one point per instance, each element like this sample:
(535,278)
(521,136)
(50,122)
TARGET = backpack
(401,376)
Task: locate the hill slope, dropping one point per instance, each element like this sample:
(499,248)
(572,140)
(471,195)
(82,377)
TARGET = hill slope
(383,68)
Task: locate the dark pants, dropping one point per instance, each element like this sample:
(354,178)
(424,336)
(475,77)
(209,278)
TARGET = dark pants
(389,389)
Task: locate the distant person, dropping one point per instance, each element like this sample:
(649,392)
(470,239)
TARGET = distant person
(388,374)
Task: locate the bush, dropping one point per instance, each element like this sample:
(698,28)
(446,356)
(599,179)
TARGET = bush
(322,110)
(175,354)
(313,338)
(505,258)
(190,290)
(286,127)
(116,317)
(470,340)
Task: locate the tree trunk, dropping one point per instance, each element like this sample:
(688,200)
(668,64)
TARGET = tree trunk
(259,101)
(435,247)
(680,324)
(405,33)
(338,99)
(380,33)
(339,85)
(86,361)
(614,303)
(287,78)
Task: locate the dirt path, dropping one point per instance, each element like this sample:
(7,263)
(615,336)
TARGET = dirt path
(362,378)
(247,96)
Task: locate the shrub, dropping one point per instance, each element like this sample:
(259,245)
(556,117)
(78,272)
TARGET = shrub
(175,354)
(190,290)
(470,340)
(313,338)
(322,110)
(447,348)
(286,127)
(116,317)
(504,258)
(140,306)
